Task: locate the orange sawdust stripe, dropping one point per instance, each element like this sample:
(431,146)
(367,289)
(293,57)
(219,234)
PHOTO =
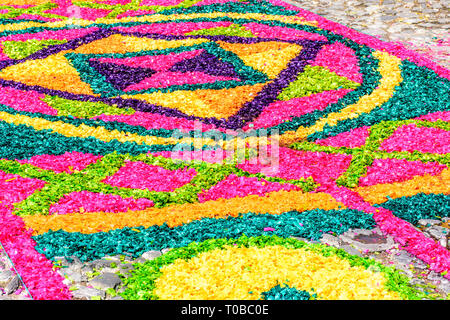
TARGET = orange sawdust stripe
(420,184)
(176,215)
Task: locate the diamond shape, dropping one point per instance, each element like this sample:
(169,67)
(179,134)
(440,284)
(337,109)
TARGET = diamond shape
(111,80)
(226,82)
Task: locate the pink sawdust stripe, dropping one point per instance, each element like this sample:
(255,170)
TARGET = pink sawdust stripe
(134,13)
(168,78)
(95,202)
(294,164)
(234,186)
(36,17)
(25,101)
(14,188)
(410,138)
(339,59)
(164,3)
(138,175)
(351,139)
(211,156)
(50,35)
(36,271)
(67,162)
(435,116)
(280,111)
(412,240)
(67,9)
(157,121)
(158,63)
(173,28)
(281,33)
(395,170)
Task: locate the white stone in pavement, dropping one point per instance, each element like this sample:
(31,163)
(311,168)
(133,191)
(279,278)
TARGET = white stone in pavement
(88,293)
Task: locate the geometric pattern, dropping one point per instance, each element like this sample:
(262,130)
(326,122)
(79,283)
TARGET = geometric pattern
(124,121)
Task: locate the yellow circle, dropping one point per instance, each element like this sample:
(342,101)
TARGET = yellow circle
(245,273)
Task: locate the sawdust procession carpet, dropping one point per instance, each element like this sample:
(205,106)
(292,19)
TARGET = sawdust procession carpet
(220,129)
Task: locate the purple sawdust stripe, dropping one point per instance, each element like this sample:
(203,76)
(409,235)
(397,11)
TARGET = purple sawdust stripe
(54,49)
(270,92)
(230,39)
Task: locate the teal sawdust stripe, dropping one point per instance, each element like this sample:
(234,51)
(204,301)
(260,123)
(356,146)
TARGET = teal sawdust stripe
(419,206)
(285,292)
(114,125)
(250,6)
(109,125)
(23,142)
(134,5)
(256,6)
(310,224)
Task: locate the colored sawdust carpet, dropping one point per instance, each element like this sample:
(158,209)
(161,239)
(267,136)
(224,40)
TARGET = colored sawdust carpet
(221,129)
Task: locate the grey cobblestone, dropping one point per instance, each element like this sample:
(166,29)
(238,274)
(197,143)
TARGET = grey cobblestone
(420,25)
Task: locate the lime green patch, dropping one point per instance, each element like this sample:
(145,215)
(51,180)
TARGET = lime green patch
(22,49)
(314,80)
(83,109)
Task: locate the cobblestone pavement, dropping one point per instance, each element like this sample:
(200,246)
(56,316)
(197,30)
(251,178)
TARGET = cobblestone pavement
(421,25)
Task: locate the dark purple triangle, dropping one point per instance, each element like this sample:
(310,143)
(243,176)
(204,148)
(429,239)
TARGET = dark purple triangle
(121,76)
(207,63)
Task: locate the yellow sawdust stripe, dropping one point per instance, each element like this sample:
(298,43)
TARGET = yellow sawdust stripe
(420,184)
(176,215)
(389,68)
(84,131)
